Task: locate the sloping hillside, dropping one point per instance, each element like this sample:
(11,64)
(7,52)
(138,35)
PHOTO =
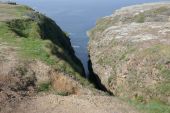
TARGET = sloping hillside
(37,64)
(35,56)
(130,53)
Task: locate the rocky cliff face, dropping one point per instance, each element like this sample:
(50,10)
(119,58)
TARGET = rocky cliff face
(35,55)
(130,52)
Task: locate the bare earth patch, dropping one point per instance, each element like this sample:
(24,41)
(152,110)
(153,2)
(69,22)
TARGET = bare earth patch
(74,104)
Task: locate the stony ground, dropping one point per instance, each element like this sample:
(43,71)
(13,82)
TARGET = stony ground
(74,104)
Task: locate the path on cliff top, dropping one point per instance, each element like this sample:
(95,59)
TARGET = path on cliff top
(74,104)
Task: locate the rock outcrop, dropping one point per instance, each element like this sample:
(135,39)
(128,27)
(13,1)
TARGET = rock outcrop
(130,52)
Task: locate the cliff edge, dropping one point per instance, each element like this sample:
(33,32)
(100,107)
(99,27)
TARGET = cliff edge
(39,72)
(130,52)
(35,56)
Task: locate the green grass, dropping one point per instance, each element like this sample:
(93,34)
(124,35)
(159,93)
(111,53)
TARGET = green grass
(37,37)
(110,79)
(158,10)
(34,49)
(164,87)
(158,55)
(44,87)
(16,11)
(28,48)
(25,28)
(151,107)
(63,93)
(41,39)
(140,18)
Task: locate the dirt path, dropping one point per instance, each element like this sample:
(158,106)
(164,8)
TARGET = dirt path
(74,104)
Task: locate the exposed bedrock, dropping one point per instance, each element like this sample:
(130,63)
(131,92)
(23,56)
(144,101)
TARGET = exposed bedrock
(130,51)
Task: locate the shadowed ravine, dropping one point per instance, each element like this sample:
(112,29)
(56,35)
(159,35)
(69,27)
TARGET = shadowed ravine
(45,66)
(77,17)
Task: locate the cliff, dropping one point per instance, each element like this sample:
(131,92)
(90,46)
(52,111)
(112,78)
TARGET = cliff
(39,72)
(35,56)
(130,52)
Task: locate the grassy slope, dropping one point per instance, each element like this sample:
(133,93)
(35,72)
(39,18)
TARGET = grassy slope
(38,37)
(158,54)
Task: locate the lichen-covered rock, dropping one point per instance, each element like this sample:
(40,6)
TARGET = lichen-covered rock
(130,51)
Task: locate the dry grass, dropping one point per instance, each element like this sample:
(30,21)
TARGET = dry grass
(8,12)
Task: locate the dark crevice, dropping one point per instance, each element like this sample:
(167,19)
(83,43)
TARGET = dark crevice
(94,78)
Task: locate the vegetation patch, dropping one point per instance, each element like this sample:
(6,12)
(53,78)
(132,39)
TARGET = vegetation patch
(164,87)
(140,18)
(151,107)
(44,87)
(151,15)
(37,37)
(63,93)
